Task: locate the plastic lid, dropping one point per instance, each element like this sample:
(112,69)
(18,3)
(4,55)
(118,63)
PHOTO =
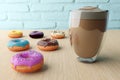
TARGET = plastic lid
(89,12)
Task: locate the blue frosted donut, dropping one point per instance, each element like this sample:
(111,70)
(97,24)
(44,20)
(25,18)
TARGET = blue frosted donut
(18,44)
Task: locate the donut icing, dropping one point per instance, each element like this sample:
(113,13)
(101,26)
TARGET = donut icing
(47,42)
(18,42)
(27,58)
(55,33)
(15,32)
(36,34)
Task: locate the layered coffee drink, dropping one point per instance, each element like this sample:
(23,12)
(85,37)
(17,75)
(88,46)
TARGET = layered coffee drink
(87,27)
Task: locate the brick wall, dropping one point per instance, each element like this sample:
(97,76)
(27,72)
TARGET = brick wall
(50,14)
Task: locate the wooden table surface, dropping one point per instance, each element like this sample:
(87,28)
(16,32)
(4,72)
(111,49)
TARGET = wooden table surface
(62,63)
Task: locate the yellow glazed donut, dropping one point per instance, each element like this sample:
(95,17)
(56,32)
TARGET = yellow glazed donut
(57,34)
(15,34)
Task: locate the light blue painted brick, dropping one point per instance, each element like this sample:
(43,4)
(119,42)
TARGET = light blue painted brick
(2,1)
(106,6)
(115,16)
(55,16)
(56,1)
(113,10)
(39,25)
(11,25)
(114,25)
(62,25)
(17,1)
(87,1)
(116,1)
(69,7)
(3,16)
(24,16)
(112,7)
(34,1)
(46,7)
(13,8)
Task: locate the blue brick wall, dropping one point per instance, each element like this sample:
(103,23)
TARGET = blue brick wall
(50,14)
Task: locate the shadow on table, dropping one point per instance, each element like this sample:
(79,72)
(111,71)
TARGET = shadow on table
(103,59)
(44,68)
(108,58)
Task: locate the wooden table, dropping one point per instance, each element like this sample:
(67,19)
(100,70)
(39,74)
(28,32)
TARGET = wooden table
(62,63)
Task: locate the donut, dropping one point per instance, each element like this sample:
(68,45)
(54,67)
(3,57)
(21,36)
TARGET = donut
(15,34)
(27,61)
(57,34)
(18,45)
(48,44)
(36,34)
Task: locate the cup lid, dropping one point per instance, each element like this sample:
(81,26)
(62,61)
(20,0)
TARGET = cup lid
(90,12)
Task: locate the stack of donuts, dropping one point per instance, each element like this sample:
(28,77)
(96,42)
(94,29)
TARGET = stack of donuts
(26,60)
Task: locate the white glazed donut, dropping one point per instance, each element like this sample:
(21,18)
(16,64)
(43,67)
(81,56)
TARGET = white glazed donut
(57,34)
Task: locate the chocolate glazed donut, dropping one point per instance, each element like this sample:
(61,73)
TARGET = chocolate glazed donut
(48,44)
(36,34)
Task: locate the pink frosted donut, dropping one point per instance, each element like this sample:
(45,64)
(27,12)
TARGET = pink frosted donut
(27,61)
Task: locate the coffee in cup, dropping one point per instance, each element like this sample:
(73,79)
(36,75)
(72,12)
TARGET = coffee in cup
(87,28)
